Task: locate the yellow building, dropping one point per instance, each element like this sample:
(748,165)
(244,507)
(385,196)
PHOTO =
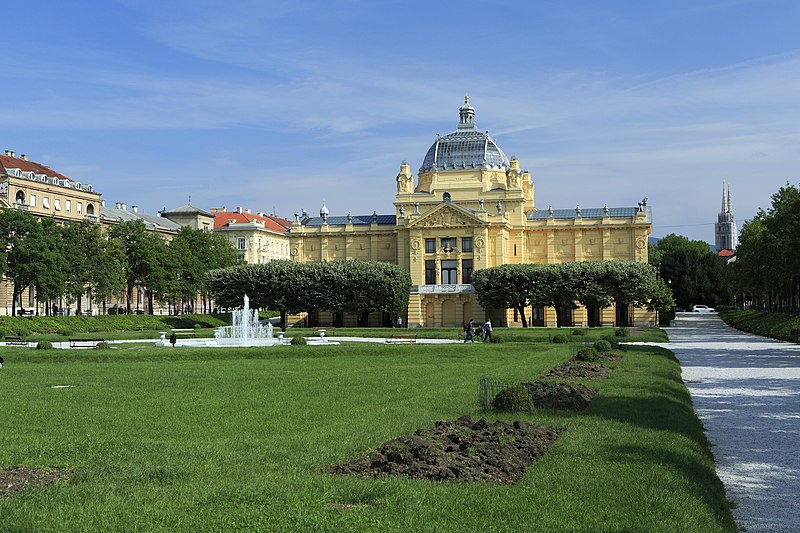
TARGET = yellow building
(469,208)
(43,192)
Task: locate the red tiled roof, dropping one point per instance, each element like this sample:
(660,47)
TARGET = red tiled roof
(6,161)
(725,253)
(221,220)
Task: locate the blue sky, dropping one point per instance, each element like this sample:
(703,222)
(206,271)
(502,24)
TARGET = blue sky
(278,106)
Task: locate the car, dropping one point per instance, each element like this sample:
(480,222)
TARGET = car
(702,309)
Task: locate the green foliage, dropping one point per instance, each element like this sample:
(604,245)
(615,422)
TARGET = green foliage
(613,340)
(299,340)
(767,267)
(560,339)
(44,345)
(70,325)
(782,326)
(587,353)
(602,346)
(622,332)
(592,283)
(289,286)
(102,346)
(514,399)
(692,271)
(497,339)
(579,332)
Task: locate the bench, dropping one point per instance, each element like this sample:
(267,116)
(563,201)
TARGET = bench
(85,343)
(329,332)
(15,341)
(23,312)
(401,338)
(183,332)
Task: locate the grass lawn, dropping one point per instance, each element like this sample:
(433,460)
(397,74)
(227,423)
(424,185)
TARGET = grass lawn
(225,439)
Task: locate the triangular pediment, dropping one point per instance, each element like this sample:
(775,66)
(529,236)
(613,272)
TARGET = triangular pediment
(447,215)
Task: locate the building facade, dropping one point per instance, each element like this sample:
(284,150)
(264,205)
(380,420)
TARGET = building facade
(726,236)
(259,238)
(470,207)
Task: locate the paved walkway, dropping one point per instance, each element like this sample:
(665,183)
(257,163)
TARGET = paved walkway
(746,390)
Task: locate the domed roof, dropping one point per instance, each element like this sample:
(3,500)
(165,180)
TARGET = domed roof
(464,148)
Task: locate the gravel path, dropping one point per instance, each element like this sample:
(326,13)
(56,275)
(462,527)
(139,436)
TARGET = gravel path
(746,390)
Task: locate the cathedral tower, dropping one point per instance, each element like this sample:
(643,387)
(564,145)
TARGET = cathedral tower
(726,234)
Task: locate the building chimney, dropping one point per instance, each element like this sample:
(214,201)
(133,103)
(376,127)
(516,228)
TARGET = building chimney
(260,213)
(239,210)
(24,157)
(10,153)
(135,208)
(124,207)
(248,212)
(102,203)
(117,204)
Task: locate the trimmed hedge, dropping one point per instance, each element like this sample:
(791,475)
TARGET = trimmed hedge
(781,326)
(69,325)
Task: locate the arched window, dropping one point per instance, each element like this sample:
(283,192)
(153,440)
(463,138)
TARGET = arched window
(90,209)
(20,198)
(446,197)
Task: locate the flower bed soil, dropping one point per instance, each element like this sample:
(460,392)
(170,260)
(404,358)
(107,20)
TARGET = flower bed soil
(612,357)
(463,451)
(578,369)
(560,395)
(18,478)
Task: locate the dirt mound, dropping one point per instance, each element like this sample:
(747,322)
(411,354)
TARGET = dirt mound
(578,369)
(496,452)
(613,357)
(17,478)
(560,395)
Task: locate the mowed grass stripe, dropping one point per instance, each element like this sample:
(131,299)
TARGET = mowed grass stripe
(220,439)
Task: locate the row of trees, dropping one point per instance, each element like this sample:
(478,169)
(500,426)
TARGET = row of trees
(695,274)
(291,287)
(767,267)
(595,284)
(67,261)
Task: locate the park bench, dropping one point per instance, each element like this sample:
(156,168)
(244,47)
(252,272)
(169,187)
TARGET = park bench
(15,341)
(183,332)
(23,312)
(85,343)
(329,332)
(402,338)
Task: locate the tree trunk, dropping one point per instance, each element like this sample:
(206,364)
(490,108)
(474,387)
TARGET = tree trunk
(283,320)
(129,297)
(521,309)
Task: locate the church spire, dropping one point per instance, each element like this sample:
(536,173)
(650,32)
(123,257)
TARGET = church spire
(466,116)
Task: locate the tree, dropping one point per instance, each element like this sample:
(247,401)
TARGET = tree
(145,260)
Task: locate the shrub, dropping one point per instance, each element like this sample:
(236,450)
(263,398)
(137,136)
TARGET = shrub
(496,339)
(102,346)
(560,339)
(44,345)
(622,332)
(602,345)
(587,354)
(299,340)
(579,332)
(613,340)
(513,399)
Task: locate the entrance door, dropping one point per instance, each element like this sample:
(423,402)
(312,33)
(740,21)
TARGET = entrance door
(448,313)
(430,315)
(565,317)
(538,316)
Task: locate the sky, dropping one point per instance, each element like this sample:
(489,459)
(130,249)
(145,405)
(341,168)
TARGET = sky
(281,106)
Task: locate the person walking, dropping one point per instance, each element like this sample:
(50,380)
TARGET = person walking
(470,336)
(487,330)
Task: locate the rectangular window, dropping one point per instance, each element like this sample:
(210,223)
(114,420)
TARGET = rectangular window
(515,250)
(449,272)
(466,244)
(32,200)
(31,295)
(79,207)
(448,243)
(68,205)
(430,246)
(466,271)
(430,272)
(57,204)
(240,244)
(46,202)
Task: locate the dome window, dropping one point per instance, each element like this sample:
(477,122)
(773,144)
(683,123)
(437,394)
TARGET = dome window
(447,198)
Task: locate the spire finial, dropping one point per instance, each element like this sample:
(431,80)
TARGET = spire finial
(466,116)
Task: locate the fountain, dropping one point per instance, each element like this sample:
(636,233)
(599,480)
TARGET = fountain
(245,329)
